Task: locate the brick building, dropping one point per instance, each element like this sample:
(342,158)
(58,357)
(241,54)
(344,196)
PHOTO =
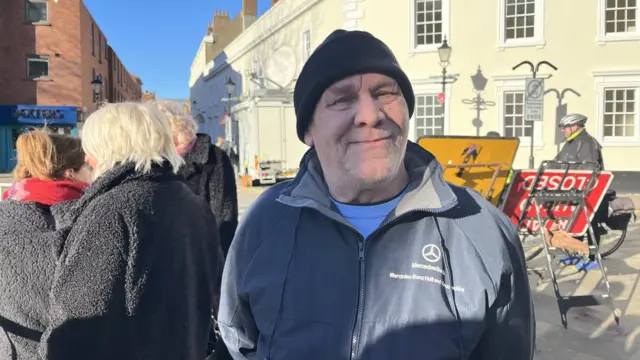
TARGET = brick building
(51,51)
(123,86)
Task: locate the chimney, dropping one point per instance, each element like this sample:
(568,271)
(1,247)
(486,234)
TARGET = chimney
(250,8)
(220,21)
(273,2)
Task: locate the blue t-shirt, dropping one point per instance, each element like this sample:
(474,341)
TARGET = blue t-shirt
(367,218)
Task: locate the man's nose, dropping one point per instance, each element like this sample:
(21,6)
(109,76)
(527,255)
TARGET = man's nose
(368,112)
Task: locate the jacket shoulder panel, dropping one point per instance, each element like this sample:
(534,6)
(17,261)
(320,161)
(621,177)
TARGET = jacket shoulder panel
(487,228)
(260,220)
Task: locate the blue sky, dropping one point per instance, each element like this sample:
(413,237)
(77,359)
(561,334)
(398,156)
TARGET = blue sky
(157,39)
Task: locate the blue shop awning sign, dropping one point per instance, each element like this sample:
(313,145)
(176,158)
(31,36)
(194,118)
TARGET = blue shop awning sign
(38,115)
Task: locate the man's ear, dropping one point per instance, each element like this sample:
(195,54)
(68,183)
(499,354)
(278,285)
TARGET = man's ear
(308,140)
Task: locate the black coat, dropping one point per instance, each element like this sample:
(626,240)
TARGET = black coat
(29,247)
(139,272)
(209,173)
(583,147)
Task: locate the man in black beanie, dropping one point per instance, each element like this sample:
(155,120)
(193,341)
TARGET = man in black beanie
(368,253)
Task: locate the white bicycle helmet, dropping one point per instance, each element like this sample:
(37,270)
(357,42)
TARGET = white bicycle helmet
(572,119)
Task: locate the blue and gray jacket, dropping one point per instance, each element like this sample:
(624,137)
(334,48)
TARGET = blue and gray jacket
(443,277)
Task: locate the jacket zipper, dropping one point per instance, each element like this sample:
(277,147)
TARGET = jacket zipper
(357,326)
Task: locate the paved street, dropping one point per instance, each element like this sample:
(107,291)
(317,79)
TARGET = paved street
(592,334)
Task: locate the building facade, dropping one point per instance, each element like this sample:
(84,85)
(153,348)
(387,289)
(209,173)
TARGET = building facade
(52,51)
(122,85)
(595,54)
(205,96)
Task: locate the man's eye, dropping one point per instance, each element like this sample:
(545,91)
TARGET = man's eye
(341,101)
(388,95)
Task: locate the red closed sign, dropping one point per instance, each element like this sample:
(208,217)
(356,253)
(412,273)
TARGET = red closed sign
(520,188)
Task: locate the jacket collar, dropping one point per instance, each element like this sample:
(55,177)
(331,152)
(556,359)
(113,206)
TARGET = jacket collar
(199,153)
(427,189)
(120,174)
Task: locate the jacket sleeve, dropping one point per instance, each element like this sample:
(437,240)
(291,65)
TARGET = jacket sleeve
(510,324)
(237,325)
(87,296)
(223,199)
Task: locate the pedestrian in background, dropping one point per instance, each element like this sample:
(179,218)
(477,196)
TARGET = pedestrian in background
(368,253)
(207,170)
(50,173)
(141,261)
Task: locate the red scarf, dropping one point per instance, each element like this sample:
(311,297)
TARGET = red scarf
(44,191)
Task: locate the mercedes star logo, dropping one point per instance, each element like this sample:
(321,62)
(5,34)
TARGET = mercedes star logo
(431,253)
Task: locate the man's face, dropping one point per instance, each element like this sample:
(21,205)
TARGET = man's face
(359,129)
(567,131)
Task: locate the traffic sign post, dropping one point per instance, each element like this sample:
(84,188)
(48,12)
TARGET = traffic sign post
(555,180)
(534,100)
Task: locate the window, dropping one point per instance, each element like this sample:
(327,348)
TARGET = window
(428,116)
(522,23)
(510,106)
(93,42)
(520,18)
(305,46)
(430,23)
(37,66)
(620,16)
(617,107)
(618,20)
(514,124)
(100,47)
(36,11)
(620,118)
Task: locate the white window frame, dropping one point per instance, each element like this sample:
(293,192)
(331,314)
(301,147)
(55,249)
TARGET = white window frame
(538,39)
(39,58)
(511,83)
(430,87)
(603,37)
(616,79)
(26,15)
(446,26)
(305,52)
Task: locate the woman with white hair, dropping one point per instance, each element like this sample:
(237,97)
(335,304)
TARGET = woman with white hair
(207,170)
(141,264)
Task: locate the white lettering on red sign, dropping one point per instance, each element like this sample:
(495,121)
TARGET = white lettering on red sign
(555,182)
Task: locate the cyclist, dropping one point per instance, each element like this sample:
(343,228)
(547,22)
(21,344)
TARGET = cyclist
(580,146)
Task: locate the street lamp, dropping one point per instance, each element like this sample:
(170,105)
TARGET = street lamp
(96,86)
(231,86)
(479,82)
(444,52)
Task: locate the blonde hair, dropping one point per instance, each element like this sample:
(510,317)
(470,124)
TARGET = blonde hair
(47,156)
(183,127)
(129,132)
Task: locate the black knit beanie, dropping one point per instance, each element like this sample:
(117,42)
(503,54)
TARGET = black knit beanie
(343,54)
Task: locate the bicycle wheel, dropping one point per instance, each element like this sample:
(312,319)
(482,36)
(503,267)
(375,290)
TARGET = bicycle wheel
(611,241)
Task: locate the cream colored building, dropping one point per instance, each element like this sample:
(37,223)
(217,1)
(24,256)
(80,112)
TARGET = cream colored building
(595,45)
